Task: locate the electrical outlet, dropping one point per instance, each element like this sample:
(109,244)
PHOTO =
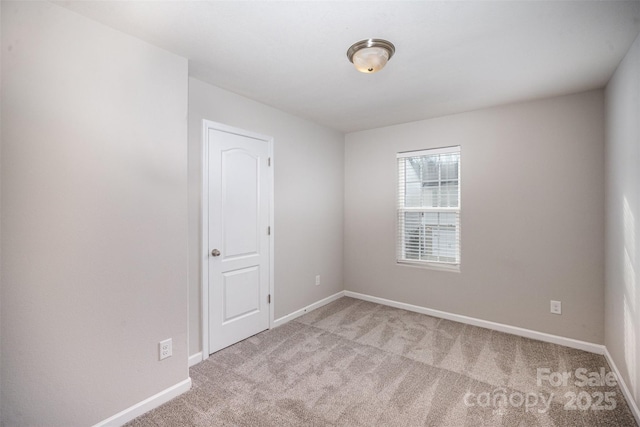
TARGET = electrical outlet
(556,307)
(165,349)
(318,280)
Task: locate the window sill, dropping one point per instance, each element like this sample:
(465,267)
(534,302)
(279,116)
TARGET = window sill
(454,268)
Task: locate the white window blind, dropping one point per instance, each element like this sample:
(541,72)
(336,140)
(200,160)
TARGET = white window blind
(429,207)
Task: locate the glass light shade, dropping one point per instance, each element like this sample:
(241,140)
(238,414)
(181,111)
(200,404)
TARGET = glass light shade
(370,55)
(370,59)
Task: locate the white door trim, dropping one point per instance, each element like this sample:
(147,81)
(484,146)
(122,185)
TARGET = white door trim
(204,224)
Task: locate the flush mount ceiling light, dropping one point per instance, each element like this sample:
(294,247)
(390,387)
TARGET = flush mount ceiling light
(370,55)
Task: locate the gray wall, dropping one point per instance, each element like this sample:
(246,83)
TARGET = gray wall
(309,164)
(532,217)
(94,218)
(622,297)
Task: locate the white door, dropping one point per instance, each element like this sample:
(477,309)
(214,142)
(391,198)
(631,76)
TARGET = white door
(238,235)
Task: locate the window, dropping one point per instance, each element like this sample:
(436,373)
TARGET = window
(429,207)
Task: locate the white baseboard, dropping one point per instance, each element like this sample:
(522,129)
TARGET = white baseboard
(146,405)
(289,317)
(623,386)
(183,386)
(194,359)
(527,333)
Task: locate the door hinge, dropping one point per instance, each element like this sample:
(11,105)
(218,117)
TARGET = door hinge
(269,299)
(269,231)
(268,161)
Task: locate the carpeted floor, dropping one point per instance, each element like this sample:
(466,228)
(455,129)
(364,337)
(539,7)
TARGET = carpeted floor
(355,363)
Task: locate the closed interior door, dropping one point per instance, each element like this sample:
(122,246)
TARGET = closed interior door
(238,215)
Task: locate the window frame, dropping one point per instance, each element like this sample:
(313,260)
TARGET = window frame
(401,209)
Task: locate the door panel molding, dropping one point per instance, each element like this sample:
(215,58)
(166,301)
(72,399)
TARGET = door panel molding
(230,158)
(230,285)
(207,127)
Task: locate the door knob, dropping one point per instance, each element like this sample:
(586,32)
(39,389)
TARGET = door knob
(215,252)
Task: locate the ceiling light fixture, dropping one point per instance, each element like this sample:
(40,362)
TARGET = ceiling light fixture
(370,55)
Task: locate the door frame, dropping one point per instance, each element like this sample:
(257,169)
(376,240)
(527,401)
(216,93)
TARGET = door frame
(204,223)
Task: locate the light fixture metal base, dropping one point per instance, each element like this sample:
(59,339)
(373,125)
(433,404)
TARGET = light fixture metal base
(362,44)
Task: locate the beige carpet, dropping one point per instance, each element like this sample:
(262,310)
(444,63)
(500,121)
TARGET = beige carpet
(355,363)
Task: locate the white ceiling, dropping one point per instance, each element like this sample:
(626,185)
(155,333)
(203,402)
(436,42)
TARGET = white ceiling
(450,56)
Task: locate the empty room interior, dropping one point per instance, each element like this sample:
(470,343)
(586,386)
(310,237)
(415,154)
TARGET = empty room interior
(320,213)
